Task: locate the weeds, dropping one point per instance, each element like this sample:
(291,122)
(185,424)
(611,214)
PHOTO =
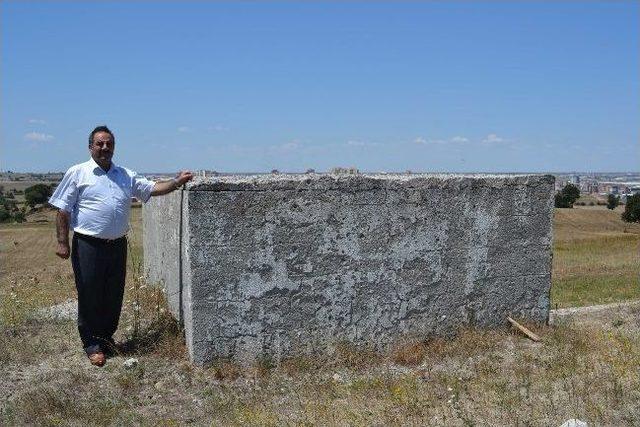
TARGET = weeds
(59,398)
(13,309)
(352,356)
(409,353)
(586,371)
(148,325)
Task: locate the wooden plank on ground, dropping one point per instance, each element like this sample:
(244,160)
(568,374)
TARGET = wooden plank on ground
(524,330)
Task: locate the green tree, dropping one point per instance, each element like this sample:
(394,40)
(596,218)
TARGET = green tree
(612,201)
(566,197)
(632,209)
(5,215)
(37,194)
(560,201)
(7,204)
(571,193)
(19,216)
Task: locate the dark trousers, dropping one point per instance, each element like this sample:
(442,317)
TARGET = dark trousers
(100,268)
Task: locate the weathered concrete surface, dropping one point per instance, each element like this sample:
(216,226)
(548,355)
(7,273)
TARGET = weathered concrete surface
(286,264)
(161,227)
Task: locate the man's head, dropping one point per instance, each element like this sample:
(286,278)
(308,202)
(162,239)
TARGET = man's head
(101,146)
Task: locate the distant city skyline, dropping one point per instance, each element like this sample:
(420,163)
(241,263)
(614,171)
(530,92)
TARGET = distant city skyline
(427,87)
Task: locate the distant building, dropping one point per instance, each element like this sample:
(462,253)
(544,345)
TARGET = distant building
(618,188)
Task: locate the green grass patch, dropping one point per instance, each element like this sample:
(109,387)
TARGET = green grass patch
(601,269)
(585,290)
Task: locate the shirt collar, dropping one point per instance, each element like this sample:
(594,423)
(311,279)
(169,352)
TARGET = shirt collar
(94,165)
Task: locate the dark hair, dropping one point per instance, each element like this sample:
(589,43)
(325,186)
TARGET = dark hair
(102,128)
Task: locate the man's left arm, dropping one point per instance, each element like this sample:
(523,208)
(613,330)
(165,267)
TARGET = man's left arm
(164,187)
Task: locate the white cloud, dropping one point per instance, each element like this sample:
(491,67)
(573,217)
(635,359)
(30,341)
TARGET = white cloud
(185,129)
(37,122)
(423,141)
(37,136)
(355,143)
(455,139)
(217,128)
(358,143)
(492,138)
(459,139)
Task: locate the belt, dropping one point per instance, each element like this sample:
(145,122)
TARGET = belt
(99,239)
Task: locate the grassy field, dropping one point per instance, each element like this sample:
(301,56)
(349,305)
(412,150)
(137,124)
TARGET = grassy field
(596,257)
(586,367)
(29,268)
(22,185)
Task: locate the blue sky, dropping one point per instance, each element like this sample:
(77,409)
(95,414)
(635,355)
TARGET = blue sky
(424,86)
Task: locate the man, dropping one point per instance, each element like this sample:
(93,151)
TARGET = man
(94,197)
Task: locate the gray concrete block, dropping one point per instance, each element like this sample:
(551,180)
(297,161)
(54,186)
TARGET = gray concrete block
(273,266)
(161,228)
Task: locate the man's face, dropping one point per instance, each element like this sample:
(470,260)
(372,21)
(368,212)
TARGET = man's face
(102,148)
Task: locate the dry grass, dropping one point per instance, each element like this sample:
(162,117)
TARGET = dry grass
(31,276)
(585,368)
(22,185)
(595,257)
(588,223)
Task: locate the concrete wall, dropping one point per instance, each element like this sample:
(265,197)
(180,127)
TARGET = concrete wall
(161,228)
(286,264)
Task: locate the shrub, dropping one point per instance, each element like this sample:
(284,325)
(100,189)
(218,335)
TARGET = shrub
(8,204)
(632,209)
(5,215)
(19,216)
(566,197)
(560,201)
(612,201)
(37,194)
(571,192)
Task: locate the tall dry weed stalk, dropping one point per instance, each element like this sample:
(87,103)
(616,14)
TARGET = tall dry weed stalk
(148,324)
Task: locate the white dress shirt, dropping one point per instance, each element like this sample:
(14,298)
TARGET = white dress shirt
(99,202)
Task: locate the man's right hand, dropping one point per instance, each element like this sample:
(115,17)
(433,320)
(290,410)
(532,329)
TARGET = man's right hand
(63,250)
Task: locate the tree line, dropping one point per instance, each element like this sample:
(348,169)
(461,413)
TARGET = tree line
(34,195)
(569,194)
